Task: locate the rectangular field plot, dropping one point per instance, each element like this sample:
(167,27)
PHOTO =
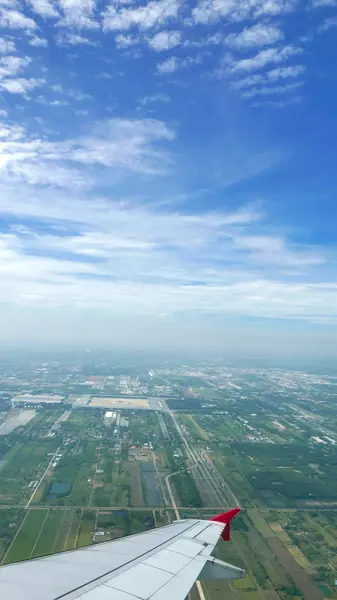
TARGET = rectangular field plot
(46,540)
(10,520)
(24,542)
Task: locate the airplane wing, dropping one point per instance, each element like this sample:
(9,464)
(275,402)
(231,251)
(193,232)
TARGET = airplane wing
(161,564)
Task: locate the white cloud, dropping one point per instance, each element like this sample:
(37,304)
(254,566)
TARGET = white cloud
(254,36)
(44,8)
(248,81)
(165,40)
(12,19)
(328,23)
(117,143)
(38,42)
(172,64)
(285,72)
(78,13)
(12,65)
(126,41)
(144,260)
(267,91)
(68,38)
(20,86)
(154,13)
(154,98)
(6,46)
(211,40)
(270,76)
(168,66)
(134,271)
(274,250)
(210,11)
(265,57)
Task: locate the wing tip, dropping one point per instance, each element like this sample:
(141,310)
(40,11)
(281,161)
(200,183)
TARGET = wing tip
(226,518)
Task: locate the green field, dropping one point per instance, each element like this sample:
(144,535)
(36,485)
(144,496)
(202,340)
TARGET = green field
(27,536)
(24,463)
(45,531)
(46,541)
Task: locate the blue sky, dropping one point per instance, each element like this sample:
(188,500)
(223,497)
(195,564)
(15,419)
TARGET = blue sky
(171,163)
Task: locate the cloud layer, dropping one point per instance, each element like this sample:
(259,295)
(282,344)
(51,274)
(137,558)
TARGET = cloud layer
(142,153)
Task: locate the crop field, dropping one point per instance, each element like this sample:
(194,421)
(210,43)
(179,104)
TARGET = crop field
(24,463)
(44,531)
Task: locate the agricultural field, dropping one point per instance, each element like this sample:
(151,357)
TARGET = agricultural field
(24,463)
(44,531)
(260,440)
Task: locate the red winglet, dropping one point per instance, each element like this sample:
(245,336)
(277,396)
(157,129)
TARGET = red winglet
(226,518)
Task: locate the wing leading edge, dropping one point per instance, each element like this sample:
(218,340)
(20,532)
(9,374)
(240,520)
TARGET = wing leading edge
(160,564)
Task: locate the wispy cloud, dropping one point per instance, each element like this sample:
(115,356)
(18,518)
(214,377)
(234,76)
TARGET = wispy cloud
(154,98)
(210,11)
(159,225)
(136,259)
(174,63)
(328,23)
(154,13)
(254,36)
(279,103)
(318,3)
(265,57)
(122,144)
(269,77)
(73,39)
(269,91)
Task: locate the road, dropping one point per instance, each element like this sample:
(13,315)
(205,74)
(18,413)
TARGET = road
(212,486)
(209,475)
(177,514)
(42,478)
(162,426)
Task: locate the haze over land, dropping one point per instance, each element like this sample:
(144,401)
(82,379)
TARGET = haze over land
(167,175)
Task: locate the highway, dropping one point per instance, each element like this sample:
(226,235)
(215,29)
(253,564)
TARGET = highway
(208,474)
(214,490)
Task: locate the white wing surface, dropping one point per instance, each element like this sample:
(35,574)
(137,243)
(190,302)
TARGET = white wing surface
(161,564)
